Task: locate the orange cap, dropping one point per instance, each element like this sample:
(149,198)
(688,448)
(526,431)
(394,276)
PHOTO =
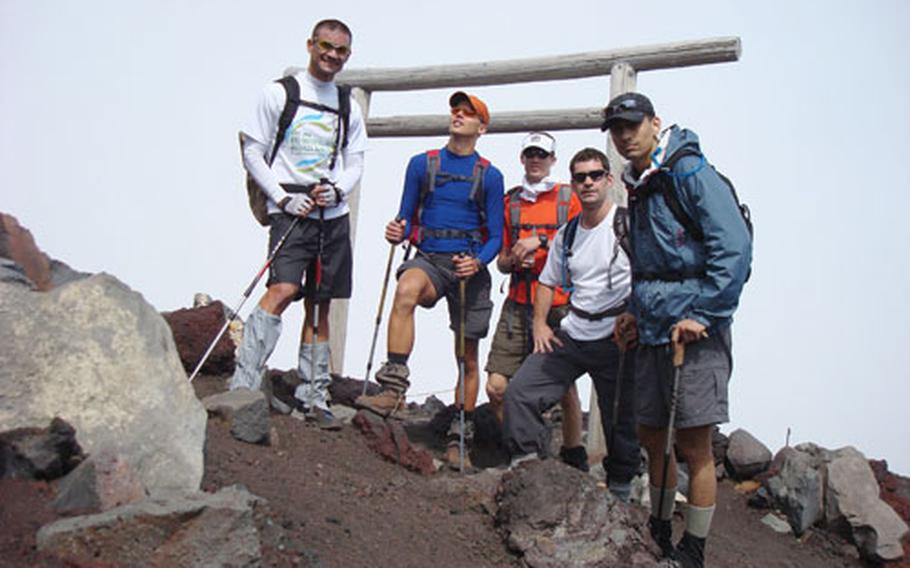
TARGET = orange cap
(478,105)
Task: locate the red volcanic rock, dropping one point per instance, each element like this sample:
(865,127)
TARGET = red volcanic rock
(17,244)
(193,330)
(388,439)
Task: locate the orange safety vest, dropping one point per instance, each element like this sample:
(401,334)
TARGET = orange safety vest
(544,216)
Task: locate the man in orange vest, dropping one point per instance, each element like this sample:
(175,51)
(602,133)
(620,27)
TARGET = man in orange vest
(534,211)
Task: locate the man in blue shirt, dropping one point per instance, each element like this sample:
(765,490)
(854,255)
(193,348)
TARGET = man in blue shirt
(452,210)
(691,252)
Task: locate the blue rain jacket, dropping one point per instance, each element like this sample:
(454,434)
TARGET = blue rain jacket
(660,244)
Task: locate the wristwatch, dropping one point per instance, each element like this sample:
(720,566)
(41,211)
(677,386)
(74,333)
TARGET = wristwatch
(544,240)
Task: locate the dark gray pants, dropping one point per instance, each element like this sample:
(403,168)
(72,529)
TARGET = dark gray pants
(543,380)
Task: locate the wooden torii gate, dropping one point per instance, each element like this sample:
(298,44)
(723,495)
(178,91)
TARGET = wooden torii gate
(622,65)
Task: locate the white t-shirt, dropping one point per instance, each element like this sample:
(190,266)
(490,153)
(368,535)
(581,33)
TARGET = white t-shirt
(306,152)
(595,291)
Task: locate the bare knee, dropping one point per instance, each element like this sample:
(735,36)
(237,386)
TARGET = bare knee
(278,297)
(653,439)
(694,445)
(412,289)
(496,388)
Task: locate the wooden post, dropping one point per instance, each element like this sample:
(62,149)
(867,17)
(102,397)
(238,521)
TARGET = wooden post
(622,80)
(338,316)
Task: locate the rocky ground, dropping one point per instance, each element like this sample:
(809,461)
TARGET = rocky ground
(339,504)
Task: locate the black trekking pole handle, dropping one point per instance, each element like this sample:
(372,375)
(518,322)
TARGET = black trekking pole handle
(246,295)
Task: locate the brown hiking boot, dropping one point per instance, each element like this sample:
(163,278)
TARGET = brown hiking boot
(384,404)
(452,457)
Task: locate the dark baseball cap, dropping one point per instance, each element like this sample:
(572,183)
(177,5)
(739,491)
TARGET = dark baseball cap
(632,107)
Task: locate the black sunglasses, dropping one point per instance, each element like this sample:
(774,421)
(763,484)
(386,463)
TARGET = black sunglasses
(595,175)
(535,152)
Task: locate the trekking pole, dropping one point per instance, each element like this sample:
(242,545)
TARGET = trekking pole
(246,295)
(529,312)
(679,355)
(315,297)
(462,284)
(617,392)
(385,287)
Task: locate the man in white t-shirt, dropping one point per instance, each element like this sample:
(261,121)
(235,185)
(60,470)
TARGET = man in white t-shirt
(308,172)
(594,267)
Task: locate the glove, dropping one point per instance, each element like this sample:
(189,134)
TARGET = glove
(332,196)
(298,204)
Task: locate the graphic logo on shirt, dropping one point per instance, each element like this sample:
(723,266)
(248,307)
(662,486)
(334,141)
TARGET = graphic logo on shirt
(311,138)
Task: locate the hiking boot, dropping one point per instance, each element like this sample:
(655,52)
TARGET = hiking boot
(690,552)
(324,419)
(662,533)
(384,404)
(452,457)
(393,376)
(576,457)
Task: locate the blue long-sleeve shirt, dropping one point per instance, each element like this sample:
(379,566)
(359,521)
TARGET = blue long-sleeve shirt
(661,244)
(449,205)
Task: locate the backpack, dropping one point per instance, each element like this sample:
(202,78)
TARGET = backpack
(431,180)
(668,189)
(292,101)
(665,183)
(620,231)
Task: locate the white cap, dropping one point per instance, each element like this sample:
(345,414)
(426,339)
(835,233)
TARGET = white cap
(540,140)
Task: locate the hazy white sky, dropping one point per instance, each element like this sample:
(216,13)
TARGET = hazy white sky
(119,148)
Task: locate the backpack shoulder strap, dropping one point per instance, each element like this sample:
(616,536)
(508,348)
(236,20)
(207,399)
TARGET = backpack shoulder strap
(344,112)
(429,184)
(564,200)
(621,230)
(667,187)
(513,207)
(291,102)
(567,241)
(477,191)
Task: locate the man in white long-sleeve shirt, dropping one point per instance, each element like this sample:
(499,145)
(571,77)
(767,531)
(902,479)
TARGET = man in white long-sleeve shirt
(307,171)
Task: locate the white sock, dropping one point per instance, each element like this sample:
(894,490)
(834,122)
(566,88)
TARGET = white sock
(698,520)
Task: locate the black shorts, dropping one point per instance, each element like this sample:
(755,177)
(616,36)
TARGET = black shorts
(439,267)
(297,256)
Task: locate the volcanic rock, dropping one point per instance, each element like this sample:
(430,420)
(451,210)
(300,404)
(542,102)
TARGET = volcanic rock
(853,505)
(556,515)
(39,453)
(388,439)
(96,354)
(104,481)
(746,457)
(246,410)
(189,529)
(194,330)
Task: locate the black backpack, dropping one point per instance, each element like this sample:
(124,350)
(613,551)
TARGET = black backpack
(292,101)
(666,186)
(620,230)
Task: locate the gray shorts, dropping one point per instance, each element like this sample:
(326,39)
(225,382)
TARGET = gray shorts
(478,306)
(298,254)
(703,382)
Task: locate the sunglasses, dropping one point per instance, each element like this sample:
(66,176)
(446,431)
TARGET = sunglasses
(464,109)
(595,175)
(534,152)
(327,46)
(626,105)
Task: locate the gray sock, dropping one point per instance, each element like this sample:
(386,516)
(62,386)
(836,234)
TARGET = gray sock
(313,391)
(698,520)
(260,336)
